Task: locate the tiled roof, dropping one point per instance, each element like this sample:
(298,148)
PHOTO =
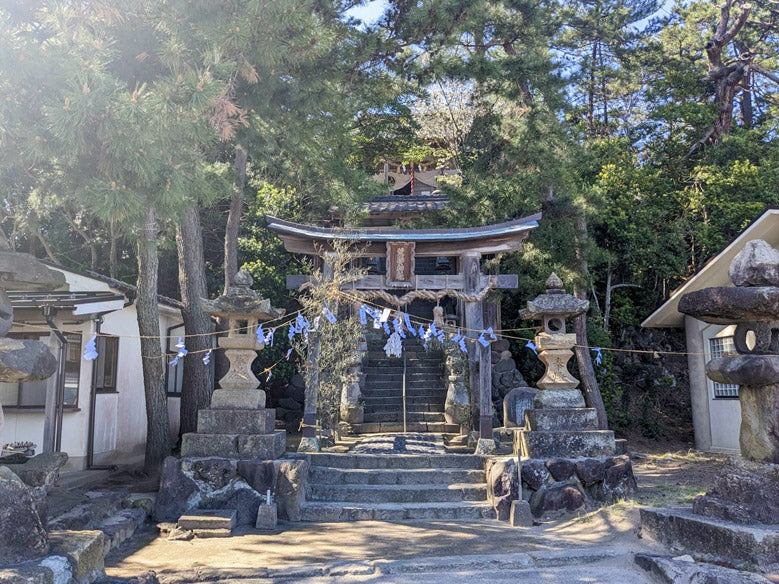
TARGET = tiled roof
(406,203)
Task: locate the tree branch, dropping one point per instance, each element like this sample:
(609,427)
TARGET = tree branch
(765,73)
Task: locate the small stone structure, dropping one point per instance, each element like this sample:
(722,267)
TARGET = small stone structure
(228,463)
(567,463)
(352,408)
(457,407)
(237,425)
(559,425)
(737,521)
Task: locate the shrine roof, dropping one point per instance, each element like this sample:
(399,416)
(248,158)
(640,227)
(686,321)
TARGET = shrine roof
(406,203)
(487,239)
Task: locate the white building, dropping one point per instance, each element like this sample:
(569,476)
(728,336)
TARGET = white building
(112,432)
(716,410)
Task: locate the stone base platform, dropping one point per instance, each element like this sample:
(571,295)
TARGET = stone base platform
(557,486)
(743,546)
(562,419)
(238,421)
(569,444)
(241,446)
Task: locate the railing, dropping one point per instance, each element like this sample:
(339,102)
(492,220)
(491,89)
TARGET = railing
(404,392)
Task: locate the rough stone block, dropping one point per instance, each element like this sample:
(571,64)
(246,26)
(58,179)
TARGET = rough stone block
(521,516)
(264,446)
(590,471)
(25,360)
(503,485)
(193,445)
(590,443)
(561,469)
(238,399)
(22,533)
(209,519)
(755,265)
(743,495)
(684,569)
(515,405)
(216,532)
(41,470)
(557,500)
(27,573)
(534,473)
(84,551)
(291,486)
(711,538)
(559,398)
(224,421)
(260,474)
(561,419)
(267,518)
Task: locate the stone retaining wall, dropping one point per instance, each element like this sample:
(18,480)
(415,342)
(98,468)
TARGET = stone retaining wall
(563,485)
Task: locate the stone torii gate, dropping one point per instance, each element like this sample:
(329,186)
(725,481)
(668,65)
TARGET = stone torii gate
(403,252)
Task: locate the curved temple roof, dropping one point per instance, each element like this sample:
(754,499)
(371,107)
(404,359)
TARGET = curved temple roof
(309,239)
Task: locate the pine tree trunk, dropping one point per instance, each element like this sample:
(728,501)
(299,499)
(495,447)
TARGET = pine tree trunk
(234,217)
(592,395)
(147,307)
(197,379)
(232,229)
(113,260)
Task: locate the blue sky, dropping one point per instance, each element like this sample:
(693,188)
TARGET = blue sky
(369,12)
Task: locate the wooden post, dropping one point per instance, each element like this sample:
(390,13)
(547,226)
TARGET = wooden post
(309,441)
(479,366)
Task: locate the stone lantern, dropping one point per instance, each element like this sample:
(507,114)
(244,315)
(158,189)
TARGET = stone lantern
(237,425)
(752,304)
(554,344)
(559,425)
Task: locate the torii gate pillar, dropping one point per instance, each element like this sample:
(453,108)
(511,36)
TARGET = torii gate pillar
(479,365)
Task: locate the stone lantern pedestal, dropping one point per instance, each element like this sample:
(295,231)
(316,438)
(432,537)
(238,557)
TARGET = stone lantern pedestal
(559,425)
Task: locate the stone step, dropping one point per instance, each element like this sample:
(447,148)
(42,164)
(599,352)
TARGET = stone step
(372,476)
(398,461)
(397,416)
(385,377)
(377,352)
(393,385)
(209,519)
(411,370)
(394,363)
(587,443)
(89,514)
(680,528)
(393,427)
(399,493)
(345,511)
(236,421)
(388,403)
(241,446)
(121,526)
(434,392)
(562,419)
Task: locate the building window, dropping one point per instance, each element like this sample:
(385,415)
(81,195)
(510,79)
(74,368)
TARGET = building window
(32,394)
(106,364)
(174,374)
(723,347)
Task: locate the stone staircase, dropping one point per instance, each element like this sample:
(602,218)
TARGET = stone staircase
(396,487)
(382,391)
